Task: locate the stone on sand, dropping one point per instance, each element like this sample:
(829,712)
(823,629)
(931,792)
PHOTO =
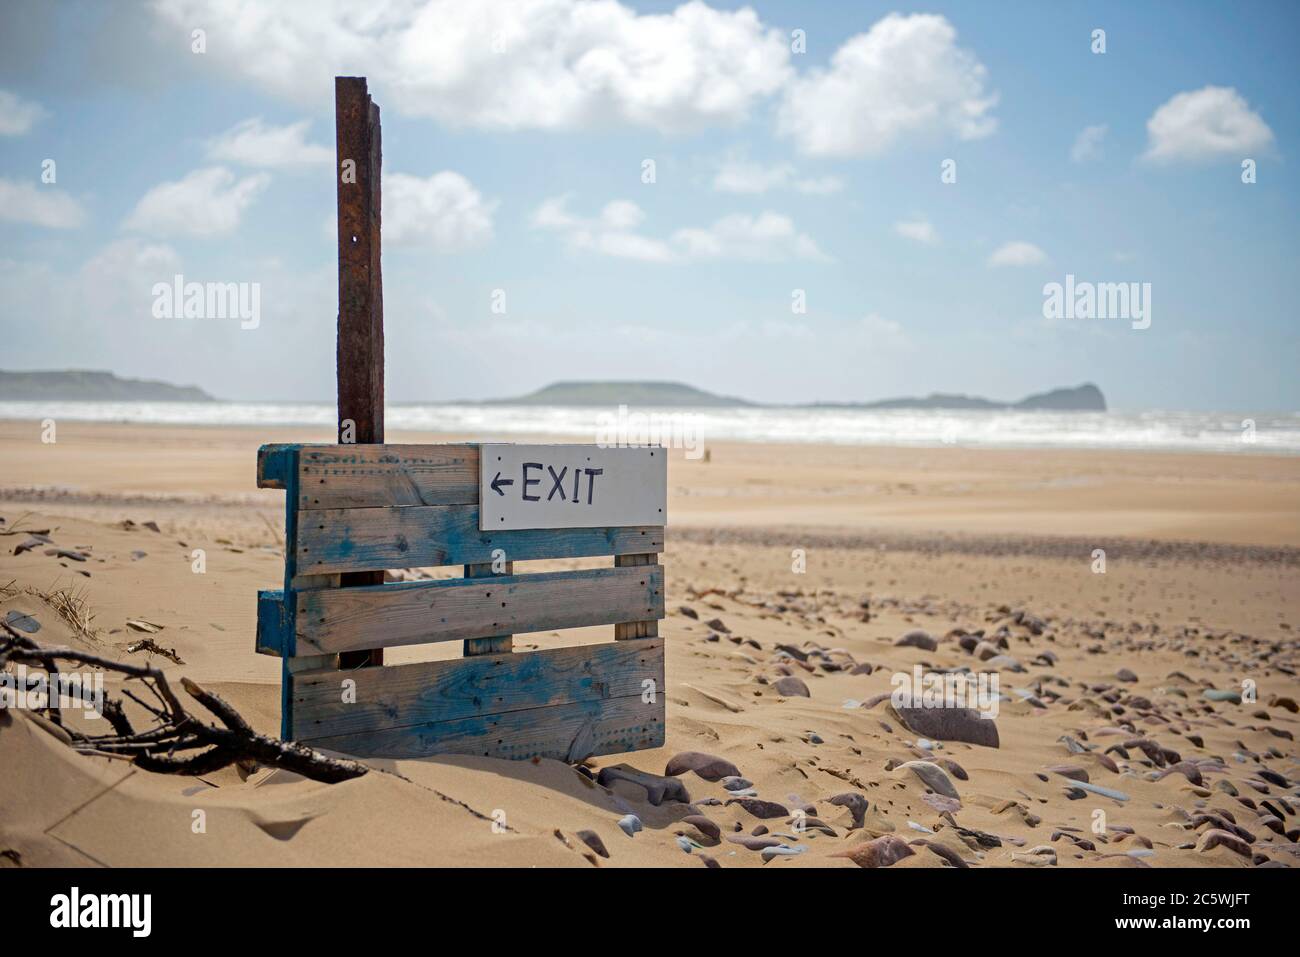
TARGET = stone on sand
(708,766)
(880,852)
(949,724)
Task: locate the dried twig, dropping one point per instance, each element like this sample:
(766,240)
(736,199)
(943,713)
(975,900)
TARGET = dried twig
(177,730)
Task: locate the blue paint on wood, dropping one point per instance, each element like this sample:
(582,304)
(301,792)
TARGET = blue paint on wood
(273,618)
(361,539)
(275,462)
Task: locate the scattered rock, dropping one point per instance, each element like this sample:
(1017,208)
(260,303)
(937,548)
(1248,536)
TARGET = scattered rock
(881,852)
(708,766)
(593,841)
(918,639)
(933,777)
(791,687)
(630,824)
(657,789)
(949,724)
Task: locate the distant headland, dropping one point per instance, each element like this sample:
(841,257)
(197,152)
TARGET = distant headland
(78,385)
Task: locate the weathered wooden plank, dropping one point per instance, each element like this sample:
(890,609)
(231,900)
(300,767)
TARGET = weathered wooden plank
(561,731)
(359,360)
(333,620)
(360,344)
(373,476)
(273,623)
(645,628)
(433,691)
(275,462)
(417,536)
(489,644)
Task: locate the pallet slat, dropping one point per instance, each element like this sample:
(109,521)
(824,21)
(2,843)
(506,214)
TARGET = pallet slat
(418,536)
(563,732)
(437,691)
(332,620)
(380,476)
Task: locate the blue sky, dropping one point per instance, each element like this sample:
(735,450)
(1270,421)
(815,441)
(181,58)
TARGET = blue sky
(515,138)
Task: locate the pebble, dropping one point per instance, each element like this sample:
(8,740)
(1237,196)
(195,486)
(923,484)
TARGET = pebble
(593,841)
(630,824)
(881,852)
(735,782)
(657,789)
(1215,837)
(781,850)
(856,803)
(21,621)
(949,724)
(1215,694)
(753,843)
(791,687)
(918,639)
(685,843)
(933,776)
(702,824)
(708,766)
(1104,792)
(761,809)
(1125,675)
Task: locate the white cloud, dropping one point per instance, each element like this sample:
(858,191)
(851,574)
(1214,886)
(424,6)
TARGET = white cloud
(444,212)
(737,175)
(766,237)
(207,202)
(611,233)
(1202,124)
(506,64)
(921,230)
(22,201)
(254,143)
(905,76)
(1087,145)
(1017,253)
(17,115)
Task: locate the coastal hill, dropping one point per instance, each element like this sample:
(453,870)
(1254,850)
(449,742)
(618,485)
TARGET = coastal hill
(1084,398)
(622,393)
(75,385)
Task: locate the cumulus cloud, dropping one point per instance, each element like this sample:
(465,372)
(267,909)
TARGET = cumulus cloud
(1017,253)
(766,237)
(906,75)
(206,202)
(611,232)
(736,175)
(444,212)
(1203,124)
(22,201)
(1087,145)
(255,143)
(17,115)
(506,64)
(920,230)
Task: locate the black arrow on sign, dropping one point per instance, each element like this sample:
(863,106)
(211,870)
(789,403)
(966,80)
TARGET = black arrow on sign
(498,482)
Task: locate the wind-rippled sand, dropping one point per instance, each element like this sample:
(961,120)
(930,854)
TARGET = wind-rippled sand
(793,575)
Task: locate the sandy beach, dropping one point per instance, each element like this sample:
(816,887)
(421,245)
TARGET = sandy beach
(792,573)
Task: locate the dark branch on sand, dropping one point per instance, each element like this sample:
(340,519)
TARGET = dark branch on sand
(164,747)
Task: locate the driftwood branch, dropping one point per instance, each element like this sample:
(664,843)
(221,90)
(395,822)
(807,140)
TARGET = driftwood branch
(165,747)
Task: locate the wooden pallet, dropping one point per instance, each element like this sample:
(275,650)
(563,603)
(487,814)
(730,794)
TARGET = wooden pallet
(369,508)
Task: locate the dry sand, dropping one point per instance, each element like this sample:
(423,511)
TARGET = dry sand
(1200,591)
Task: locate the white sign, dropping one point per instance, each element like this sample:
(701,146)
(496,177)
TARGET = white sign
(571,486)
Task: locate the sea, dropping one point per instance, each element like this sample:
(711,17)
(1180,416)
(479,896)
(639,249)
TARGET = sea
(1239,433)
